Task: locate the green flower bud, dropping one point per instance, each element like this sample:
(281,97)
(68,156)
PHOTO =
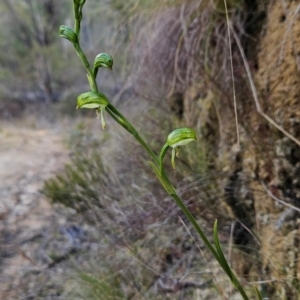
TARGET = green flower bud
(68,33)
(103,60)
(180,137)
(94,100)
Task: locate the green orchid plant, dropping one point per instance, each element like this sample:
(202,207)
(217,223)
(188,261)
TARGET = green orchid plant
(179,137)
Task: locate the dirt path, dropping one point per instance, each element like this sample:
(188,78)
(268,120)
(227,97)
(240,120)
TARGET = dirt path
(27,158)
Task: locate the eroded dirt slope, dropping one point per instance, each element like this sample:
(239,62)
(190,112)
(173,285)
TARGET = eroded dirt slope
(266,166)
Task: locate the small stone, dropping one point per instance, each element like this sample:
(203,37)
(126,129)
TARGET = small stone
(20,211)
(3,210)
(26,199)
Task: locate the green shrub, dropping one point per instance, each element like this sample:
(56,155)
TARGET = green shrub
(85,182)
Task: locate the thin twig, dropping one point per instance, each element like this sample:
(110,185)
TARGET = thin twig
(254,92)
(246,228)
(232,75)
(277,199)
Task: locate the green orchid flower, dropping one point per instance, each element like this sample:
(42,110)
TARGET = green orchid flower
(94,100)
(177,138)
(180,137)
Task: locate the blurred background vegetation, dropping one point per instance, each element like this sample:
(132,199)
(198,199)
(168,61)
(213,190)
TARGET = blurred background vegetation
(38,67)
(172,68)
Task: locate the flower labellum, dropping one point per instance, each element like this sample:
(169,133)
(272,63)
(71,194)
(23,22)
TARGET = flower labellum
(180,137)
(94,100)
(68,33)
